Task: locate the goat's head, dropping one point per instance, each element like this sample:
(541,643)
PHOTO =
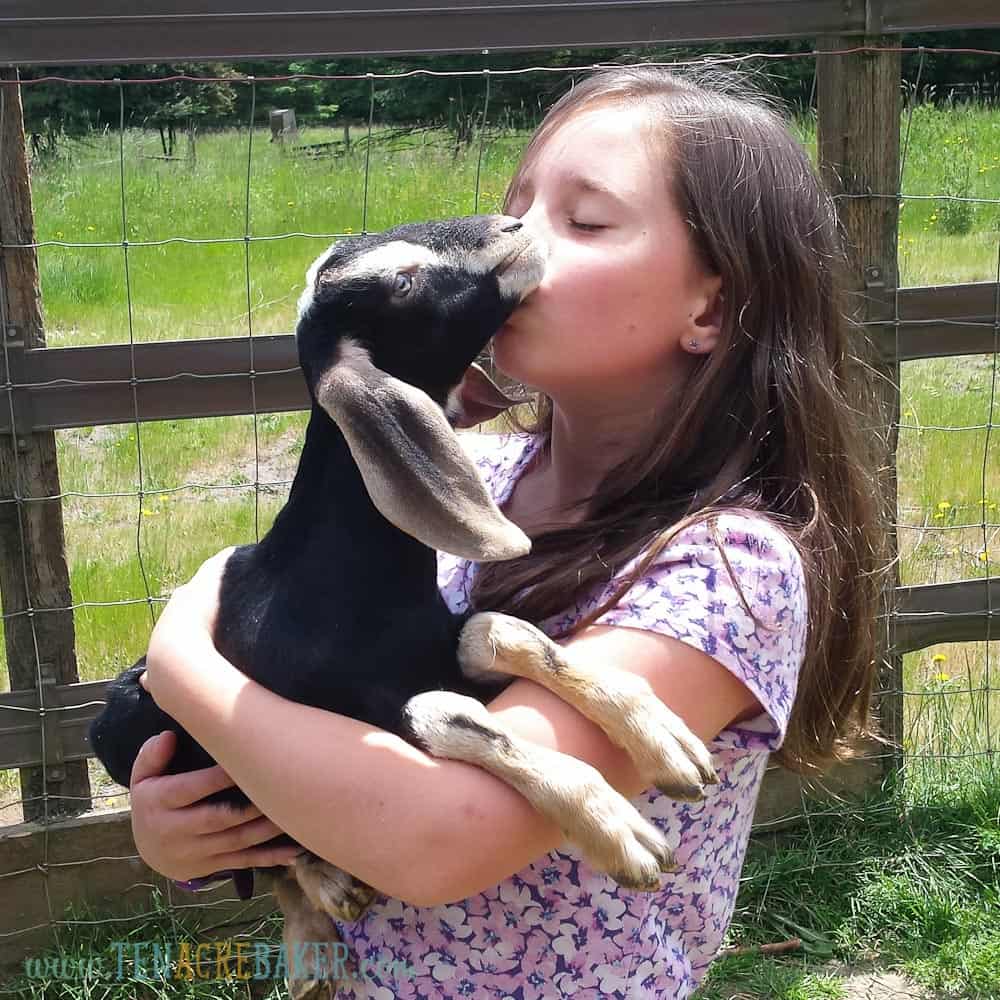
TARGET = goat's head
(389,327)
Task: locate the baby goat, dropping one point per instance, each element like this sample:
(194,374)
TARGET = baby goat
(338,606)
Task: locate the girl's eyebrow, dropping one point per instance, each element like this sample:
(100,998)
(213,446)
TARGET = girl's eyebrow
(574,180)
(590,185)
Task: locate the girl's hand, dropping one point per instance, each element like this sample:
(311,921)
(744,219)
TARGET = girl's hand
(183,840)
(183,632)
(173,833)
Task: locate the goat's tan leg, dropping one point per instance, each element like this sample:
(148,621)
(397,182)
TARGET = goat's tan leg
(665,752)
(330,889)
(608,829)
(318,963)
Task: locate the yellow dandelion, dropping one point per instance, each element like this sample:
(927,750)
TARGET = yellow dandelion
(348,230)
(984,556)
(942,677)
(58,236)
(933,218)
(908,413)
(938,516)
(91,229)
(944,505)
(147,512)
(938,658)
(290,204)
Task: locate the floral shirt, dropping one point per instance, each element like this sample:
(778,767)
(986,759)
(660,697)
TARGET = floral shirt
(559,928)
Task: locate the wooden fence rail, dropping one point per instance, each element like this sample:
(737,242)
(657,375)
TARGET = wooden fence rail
(58,388)
(120,32)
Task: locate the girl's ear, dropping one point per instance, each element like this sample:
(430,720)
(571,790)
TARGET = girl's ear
(705,326)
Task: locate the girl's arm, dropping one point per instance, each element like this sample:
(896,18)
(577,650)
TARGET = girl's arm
(422,830)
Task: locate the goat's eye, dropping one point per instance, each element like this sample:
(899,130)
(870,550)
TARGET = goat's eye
(402,284)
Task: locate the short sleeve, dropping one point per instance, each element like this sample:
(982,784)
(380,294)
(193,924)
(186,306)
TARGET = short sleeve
(688,593)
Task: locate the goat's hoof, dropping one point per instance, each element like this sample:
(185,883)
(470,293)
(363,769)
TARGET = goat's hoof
(310,989)
(664,750)
(674,777)
(615,838)
(318,962)
(332,890)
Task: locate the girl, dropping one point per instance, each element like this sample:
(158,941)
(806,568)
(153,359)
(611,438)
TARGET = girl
(696,489)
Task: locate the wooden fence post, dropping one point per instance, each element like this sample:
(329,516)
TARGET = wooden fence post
(33,572)
(858,96)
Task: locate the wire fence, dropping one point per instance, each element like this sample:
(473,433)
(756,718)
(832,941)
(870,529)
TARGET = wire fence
(220,241)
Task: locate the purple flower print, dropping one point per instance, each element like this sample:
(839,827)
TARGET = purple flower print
(558,928)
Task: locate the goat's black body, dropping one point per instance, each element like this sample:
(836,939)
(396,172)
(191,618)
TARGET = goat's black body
(314,617)
(338,606)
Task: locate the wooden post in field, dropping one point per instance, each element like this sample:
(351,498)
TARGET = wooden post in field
(33,573)
(859,112)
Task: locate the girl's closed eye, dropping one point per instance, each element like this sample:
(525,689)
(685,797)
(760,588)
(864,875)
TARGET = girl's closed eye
(587,227)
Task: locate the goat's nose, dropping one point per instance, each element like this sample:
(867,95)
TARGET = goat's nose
(513,227)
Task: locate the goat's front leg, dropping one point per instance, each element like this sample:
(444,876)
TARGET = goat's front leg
(330,889)
(317,960)
(665,752)
(608,829)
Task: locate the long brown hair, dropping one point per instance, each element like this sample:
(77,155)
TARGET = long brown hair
(766,422)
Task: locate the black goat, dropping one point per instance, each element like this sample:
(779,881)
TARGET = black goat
(338,607)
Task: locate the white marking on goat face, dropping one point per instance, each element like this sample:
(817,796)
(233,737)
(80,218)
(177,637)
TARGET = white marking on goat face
(515,253)
(384,261)
(305,299)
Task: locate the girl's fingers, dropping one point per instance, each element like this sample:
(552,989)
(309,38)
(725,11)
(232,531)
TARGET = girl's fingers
(239,838)
(153,757)
(256,857)
(181,790)
(217,817)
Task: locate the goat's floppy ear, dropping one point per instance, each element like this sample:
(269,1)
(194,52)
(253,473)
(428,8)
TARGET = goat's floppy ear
(413,465)
(477,398)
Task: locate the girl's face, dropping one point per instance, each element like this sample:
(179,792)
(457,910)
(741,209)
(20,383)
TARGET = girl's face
(624,291)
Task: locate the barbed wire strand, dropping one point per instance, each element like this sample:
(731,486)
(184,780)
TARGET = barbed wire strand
(714,58)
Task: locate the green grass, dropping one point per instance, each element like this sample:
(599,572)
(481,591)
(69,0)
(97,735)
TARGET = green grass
(912,878)
(180,290)
(915,890)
